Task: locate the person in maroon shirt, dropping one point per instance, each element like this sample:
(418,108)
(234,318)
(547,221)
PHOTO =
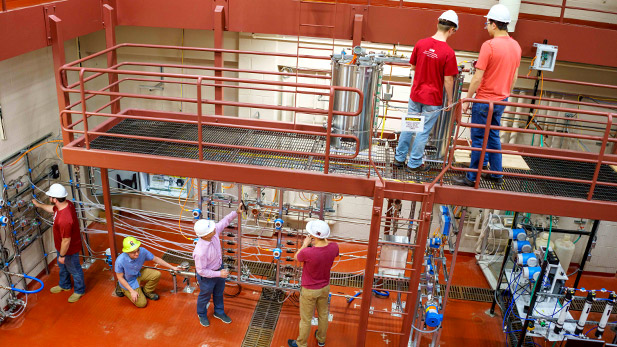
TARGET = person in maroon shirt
(317,262)
(67,239)
(435,65)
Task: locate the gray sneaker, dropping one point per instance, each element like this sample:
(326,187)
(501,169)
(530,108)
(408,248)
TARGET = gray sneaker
(225,318)
(320,344)
(203,320)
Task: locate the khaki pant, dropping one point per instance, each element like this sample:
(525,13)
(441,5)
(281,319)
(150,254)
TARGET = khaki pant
(151,277)
(309,298)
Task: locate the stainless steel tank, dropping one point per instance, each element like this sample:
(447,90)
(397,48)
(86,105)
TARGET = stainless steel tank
(440,136)
(365,74)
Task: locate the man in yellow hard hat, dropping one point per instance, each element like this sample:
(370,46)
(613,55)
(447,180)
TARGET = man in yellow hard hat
(130,273)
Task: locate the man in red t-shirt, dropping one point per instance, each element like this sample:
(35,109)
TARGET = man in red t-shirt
(496,73)
(315,281)
(67,239)
(435,65)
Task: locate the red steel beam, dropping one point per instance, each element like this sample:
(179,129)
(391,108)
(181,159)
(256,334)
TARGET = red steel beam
(514,201)
(112,57)
(219,171)
(385,24)
(371,255)
(57,40)
(219,27)
(109,215)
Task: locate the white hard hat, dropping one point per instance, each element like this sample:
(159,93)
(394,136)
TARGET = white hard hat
(56,190)
(499,13)
(204,227)
(451,16)
(318,228)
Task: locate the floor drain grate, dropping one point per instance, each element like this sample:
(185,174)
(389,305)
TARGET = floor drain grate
(470,293)
(265,317)
(177,257)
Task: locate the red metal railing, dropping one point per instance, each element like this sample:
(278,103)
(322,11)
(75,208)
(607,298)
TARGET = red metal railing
(199,119)
(410,3)
(597,159)
(564,6)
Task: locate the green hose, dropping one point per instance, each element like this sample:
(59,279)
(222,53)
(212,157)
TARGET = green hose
(579,237)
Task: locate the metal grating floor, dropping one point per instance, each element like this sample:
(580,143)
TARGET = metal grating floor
(383,155)
(265,317)
(177,257)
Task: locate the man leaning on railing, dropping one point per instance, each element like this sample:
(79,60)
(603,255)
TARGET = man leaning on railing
(497,68)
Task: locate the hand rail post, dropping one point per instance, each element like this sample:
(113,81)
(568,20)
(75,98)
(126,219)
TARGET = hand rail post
(82,92)
(200,144)
(487,131)
(329,130)
(596,173)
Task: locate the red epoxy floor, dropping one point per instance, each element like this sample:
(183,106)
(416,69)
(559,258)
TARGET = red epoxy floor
(101,319)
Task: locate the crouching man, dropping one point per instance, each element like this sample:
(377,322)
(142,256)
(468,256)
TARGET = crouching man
(130,273)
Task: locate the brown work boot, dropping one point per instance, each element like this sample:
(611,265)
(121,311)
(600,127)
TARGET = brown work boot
(74,297)
(151,296)
(57,289)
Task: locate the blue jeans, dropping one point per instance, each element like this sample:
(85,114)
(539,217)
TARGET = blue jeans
(421,138)
(72,267)
(214,287)
(479,114)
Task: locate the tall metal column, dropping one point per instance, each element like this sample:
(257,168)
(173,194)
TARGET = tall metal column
(426,215)
(109,215)
(369,271)
(76,194)
(503,266)
(57,48)
(592,236)
(109,16)
(219,27)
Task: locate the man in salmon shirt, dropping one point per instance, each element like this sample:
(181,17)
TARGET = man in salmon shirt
(317,263)
(67,239)
(435,65)
(496,72)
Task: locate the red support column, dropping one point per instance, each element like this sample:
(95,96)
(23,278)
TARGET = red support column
(371,256)
(109,15)
(57,48)
(109,215)
(357,29)
(426,214)
(219,27)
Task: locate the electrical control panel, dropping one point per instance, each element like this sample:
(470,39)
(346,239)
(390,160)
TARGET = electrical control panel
(546,55)
(118,179)
(175,186)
